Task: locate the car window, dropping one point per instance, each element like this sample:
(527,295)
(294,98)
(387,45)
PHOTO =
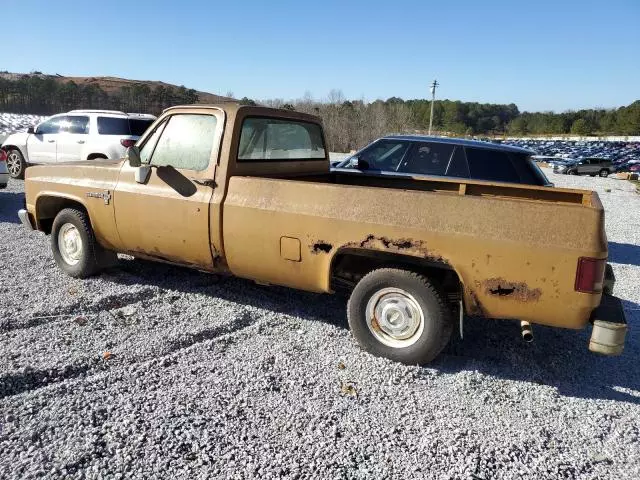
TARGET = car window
(113,126)
(427,158)
(385,154)
(527,169)
(186,142)
(458,164)
(271,139)
(485,164)
(74,124)
(50,126)
(139,126)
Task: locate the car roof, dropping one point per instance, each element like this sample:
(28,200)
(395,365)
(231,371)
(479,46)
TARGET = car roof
(461,142)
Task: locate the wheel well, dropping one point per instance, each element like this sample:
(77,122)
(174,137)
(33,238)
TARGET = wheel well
(93,156)
(48,207)
(6,148)
(349,266)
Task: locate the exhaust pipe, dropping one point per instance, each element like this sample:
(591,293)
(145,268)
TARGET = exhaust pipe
(527,333)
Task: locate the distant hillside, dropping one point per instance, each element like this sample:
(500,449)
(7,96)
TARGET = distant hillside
(43,94)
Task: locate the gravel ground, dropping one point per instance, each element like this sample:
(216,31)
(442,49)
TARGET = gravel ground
(151,371)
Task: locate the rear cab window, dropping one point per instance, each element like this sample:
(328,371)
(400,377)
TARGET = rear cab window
(265,139)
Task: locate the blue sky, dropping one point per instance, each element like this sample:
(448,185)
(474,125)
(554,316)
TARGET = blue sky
(541,55)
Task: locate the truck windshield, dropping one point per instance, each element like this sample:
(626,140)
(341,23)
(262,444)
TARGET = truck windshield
(272,139)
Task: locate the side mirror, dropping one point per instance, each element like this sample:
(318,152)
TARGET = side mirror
(132,155)
(31,130)
(359,163)
(142,173)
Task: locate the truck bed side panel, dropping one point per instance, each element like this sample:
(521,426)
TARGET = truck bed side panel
(516,258)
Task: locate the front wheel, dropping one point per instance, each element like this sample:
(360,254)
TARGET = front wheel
(399,314)
(15,163)
(73,244)
(604,172)
(573,172)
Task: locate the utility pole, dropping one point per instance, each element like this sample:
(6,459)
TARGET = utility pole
(433,99)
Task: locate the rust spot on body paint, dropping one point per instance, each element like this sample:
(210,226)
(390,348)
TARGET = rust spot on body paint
(517,290)
(401,245)
(474,307)
(321,247)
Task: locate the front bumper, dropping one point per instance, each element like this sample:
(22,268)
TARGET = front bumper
(609,322)
(24,217)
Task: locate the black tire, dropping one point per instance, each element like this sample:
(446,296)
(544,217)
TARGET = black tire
(16,163)
(90,258)
(425,344)
(572,172)
(604,173)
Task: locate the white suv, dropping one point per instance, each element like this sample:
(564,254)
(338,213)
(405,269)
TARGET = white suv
(75,136)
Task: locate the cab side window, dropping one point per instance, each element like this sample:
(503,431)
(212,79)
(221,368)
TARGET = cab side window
(74,124)
(49,127)
(185,142)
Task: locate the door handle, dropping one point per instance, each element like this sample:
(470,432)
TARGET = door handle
(204,183)
(80,141)
(51,141)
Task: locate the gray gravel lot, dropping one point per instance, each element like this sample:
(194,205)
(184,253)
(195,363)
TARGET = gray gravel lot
(227,379)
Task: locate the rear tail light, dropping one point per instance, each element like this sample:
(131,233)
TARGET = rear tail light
(3,155)
(128,143)
(590,274)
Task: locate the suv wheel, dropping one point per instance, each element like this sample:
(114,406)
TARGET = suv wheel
(73,244)
(572,172)
(15,163)
(399,314)
(604,172)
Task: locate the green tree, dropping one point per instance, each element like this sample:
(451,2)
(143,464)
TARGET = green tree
(580,127)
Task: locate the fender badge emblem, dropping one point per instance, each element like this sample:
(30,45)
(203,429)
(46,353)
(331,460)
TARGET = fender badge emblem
(106,196)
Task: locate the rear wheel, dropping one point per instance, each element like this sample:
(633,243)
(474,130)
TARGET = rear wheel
(573,172)
(604,172)
(399,314)
(15,163)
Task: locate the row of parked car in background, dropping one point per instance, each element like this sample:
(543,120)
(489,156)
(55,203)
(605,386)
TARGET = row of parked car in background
(73,136)
(585,158)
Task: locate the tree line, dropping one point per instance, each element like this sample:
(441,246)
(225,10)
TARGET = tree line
(44,95)
(352,124)
(349,124)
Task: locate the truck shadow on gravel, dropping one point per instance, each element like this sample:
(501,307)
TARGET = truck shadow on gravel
(624,253)
(557,358)
(10,203)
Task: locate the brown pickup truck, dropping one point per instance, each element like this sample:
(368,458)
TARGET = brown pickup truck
(248,191)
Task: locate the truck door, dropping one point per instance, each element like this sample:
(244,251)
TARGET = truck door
(167,217)
(73,135)
(41,146)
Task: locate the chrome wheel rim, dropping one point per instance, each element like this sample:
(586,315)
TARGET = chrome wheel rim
(13,163)
(394,317)
(70,244)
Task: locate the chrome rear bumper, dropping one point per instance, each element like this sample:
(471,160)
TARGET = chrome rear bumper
(609,327)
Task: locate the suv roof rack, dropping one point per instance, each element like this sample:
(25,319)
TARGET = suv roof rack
(97,111)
